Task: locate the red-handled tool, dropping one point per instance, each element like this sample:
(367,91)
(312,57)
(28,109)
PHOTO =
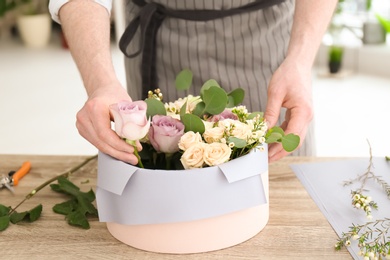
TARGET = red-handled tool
(14,177)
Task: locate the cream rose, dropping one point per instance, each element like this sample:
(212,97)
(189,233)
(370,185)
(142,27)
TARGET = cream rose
(216,153)
(193,156)
(236,128)
(214,134)
(241,130)
(188,139)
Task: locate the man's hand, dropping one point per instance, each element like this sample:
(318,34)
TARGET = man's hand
(94,123)
(290,87)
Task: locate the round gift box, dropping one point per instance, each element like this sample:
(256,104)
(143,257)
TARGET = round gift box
(177,236)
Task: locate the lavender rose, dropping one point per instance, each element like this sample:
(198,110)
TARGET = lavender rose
(226,114)
(165,133)
(130,119)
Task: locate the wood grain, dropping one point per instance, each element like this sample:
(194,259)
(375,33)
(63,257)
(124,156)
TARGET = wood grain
(296,228)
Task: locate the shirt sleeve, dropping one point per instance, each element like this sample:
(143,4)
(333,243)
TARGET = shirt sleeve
(55,6)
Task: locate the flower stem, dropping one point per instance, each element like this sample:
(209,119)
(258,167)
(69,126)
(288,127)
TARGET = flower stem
(132,143)
(168,161)
(43,185)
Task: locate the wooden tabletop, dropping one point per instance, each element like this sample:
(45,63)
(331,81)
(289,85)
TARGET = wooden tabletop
(296,228)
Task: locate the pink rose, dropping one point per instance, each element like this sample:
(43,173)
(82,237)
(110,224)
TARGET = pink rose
(130,119)
(226,114)
(165,133)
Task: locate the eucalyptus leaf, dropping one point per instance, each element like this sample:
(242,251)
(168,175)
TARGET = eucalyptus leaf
(230,103)
(4,222)
(184,79)
(215,99)
(238,95)
(183,109)
(199,109)
(208,84)
(193,123)
(254,114)
(155,107)
(290,142)
(274,138)
(238,143)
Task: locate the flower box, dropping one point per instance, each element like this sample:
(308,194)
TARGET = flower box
(184,211)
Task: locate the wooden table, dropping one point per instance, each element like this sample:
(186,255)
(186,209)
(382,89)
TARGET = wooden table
(296,228)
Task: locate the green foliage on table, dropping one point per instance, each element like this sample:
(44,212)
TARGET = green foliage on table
(7,216)
(78,207)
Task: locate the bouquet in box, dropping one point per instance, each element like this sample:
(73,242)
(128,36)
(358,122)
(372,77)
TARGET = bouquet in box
(194,131)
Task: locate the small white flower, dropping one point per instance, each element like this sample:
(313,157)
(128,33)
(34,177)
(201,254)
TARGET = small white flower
(357,205)
(366,258)
(369,216)
(369,199)
(231,144)
(355,237)
(347,243)
(356,196)
(371,254)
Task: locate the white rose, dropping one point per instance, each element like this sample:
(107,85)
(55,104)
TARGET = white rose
(208,125)
(242,130)
(188,139)
(216,153)
(173,115)
(214,134)
(193,156)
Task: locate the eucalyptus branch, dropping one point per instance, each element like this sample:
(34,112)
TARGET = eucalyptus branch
(65,174)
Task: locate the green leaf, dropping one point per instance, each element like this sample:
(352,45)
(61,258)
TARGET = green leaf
(77,218)
(183,109)
(290,142)
(254,114)
(4,222)
(193,123)
(78,207)
(208,84)
(384,22)
(31,215)
(17,217)
(183,80)
(230,103)
(215,99)
(155,107)
(237,95)
(274,138)
(199,109)
(4,210)
(238,143)
(66,207)
(68,187)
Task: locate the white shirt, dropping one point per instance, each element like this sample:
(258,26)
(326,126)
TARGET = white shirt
(55,6)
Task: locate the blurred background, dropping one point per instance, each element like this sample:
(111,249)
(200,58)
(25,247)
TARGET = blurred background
(41,89)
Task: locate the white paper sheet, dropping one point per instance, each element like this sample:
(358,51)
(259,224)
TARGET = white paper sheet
(324,182)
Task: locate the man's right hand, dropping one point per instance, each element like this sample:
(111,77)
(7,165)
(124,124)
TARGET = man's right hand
(94,123)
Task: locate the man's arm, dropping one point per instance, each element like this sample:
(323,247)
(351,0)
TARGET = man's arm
(86,25)
(290,86)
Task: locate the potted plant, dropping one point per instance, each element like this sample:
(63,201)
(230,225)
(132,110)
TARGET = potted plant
(335,56)
(34,23)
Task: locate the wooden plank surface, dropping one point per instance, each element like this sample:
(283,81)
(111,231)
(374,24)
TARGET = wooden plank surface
(296,228)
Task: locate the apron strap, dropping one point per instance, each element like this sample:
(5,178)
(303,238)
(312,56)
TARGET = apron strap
(149,20)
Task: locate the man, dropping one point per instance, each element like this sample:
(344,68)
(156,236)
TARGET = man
(268,51)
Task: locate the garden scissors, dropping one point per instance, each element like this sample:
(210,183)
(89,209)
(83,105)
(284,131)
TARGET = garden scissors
(14,176)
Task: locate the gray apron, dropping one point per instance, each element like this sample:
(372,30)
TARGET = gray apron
(240,50)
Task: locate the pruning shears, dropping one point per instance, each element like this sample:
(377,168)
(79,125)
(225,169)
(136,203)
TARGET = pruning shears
(13,177)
